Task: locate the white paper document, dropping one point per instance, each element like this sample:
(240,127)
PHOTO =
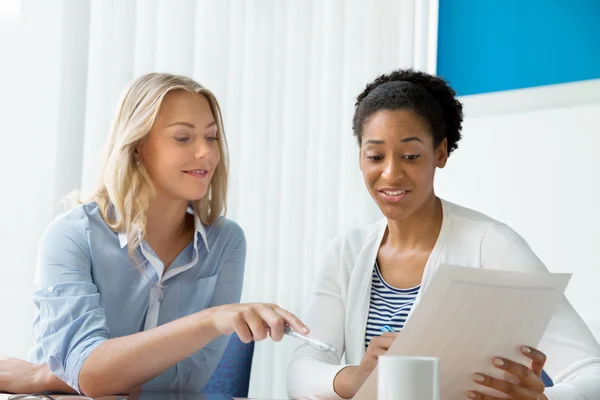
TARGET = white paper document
(467,316)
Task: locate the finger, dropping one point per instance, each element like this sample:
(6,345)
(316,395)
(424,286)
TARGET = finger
(474,394)
(377,352)
(527,377)
(241,328)
(256,324)
(514,390)
(383,342)
(290,319)
(380,352)
(526,395)
(498,384)
(538,359)
(274,321)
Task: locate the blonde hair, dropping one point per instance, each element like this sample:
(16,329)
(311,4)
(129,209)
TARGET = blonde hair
(125,189)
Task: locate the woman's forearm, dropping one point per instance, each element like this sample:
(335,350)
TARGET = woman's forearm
(120,364)
(46,381)
(345,382)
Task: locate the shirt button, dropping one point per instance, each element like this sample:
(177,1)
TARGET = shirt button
(51,289)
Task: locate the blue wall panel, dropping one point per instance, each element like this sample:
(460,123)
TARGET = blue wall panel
(492,45)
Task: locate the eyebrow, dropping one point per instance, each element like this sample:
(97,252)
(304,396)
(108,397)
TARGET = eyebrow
(373,141)
(411,139)
(405,140)
(190,125)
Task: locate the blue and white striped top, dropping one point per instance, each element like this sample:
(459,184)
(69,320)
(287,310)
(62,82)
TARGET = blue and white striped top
(389,305)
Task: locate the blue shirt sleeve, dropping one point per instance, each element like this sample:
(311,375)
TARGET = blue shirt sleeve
(191,374)
(69,321)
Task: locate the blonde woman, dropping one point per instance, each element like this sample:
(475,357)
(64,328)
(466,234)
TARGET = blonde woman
(139,285)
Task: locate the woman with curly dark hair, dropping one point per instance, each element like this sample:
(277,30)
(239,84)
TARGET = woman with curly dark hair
(407,123)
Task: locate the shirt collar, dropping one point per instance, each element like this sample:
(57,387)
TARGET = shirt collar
(198,225)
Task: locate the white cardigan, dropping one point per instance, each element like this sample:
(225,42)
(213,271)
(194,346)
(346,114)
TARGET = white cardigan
(339,304)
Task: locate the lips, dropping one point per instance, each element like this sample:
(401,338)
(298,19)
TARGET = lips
(197,173)
(393,192)
(393,195)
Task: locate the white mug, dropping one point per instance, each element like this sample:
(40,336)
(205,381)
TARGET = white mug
(408,378)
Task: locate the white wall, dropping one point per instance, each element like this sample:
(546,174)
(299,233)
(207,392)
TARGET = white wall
(23,164)
(39,103)
(530,159)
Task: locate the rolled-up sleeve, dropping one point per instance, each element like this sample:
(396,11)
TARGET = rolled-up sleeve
(191,374)
(69,321)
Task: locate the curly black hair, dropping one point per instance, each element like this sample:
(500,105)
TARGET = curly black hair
(428,96)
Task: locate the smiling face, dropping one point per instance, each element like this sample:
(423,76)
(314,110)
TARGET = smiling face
(398,160)
(181,151)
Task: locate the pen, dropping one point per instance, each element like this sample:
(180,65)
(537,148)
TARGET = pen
(314,343)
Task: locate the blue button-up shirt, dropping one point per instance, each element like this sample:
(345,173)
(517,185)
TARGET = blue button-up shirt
(89,291)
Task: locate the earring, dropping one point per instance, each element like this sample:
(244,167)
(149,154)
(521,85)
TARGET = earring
(138,162)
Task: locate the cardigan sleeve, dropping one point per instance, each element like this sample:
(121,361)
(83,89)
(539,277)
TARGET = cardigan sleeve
(311,372)
(573,354)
